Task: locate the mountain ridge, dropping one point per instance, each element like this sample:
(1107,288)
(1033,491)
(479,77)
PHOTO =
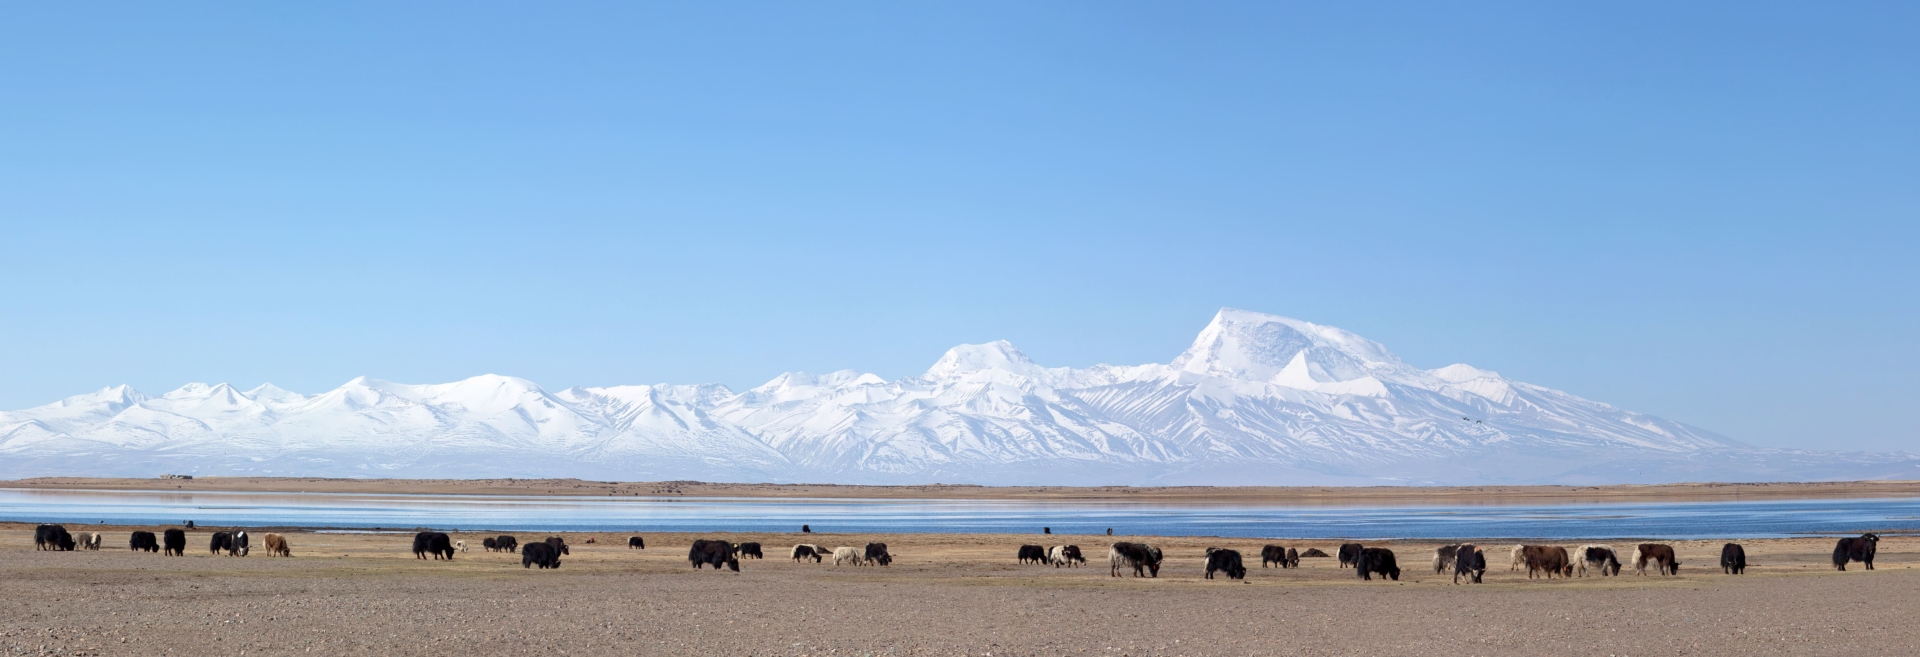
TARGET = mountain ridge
(1256,399)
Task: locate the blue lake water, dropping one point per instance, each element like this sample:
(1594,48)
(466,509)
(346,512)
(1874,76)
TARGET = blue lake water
(1763,519)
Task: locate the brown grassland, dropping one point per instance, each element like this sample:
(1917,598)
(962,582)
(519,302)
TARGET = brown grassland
(349,594)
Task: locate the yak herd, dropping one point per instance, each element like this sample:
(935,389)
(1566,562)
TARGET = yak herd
(1463,561)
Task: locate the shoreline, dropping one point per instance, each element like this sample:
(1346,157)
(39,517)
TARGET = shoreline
(1250,495)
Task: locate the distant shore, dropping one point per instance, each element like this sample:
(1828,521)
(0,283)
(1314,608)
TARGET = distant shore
(1275,495)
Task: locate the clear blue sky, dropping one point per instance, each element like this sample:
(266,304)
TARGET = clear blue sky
(1706,212)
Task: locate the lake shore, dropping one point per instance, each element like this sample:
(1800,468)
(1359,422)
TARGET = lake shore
(943,595)
(1256,495)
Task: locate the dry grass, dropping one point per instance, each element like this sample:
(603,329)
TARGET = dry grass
(944,595)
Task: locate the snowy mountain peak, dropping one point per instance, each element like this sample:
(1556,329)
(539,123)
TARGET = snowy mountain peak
(1257,399)
(1462,373)
(1250,346)
(197,391)
(996,355)
(267,392)
(119,396)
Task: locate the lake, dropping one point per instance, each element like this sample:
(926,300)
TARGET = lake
(1761,519)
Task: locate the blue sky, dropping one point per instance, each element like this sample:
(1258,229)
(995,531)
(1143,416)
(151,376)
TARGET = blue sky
(1703,212)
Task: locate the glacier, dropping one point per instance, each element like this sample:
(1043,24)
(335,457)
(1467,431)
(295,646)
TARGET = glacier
(1257,399)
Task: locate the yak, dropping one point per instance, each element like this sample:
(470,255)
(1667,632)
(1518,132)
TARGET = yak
(1065,555)
(713,553)
(1660,555)
(52,537)
(276,545)
(221,542)
(1470,562)
(1274,554)
(1598,557)
(1377,561)
(144,540)
(1222,559)
(1859,549)
(1733,559)
(1547,561)
(1350,554)
(539,554)
(1144,559)
(1443,557)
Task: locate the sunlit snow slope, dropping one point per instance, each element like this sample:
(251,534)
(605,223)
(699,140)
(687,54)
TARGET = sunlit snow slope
(1257,399)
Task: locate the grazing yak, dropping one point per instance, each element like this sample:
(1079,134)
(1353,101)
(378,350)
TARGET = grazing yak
(1377,561)
(1469,562)
(1065,555)
(1284,557)
(713,553)
(1547,561)
(490,545)
(460,546)
(220,542)
(560,544)
(841,554)
(1598,557)
(808,551)
(1222,559)
(1443,558)
(239,546)
(1661,555)
(506,543)
(90,541)
(1859,549)
(1142,558)
(144,540)
(1033,554)
(1350,554)
(175,543)
(748,550)
(276,545)
(432,543)
(52,537)
(1733,559)
(636,543)
(539,554)
(876,555)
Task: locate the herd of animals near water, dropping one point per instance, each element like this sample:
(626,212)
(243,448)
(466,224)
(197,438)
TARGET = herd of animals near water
(1465,562)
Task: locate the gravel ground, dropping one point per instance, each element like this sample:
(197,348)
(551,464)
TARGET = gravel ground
(945,595)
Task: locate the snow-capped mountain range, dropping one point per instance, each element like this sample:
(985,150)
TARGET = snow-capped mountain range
(1257,399)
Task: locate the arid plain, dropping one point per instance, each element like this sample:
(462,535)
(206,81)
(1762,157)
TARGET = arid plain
(943,595)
